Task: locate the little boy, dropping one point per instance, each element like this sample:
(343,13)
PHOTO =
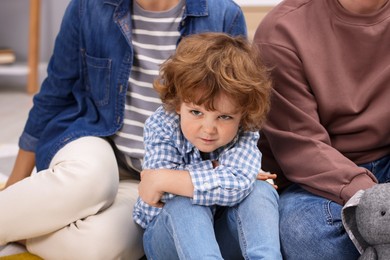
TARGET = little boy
(199,198)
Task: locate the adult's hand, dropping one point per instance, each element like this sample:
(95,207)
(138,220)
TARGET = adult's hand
(269,177)
(24,164)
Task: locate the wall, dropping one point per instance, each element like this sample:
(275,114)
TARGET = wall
(254,11)
(14,21)
(257,2)
(14,24)
(253,16)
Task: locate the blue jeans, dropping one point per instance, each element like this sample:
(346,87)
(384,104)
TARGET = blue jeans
(311,226)
(248,230)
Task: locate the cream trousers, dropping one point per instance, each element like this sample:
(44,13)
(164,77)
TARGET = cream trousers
(76,209)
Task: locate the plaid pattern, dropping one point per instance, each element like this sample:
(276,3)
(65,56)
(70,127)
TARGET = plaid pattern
(225,185)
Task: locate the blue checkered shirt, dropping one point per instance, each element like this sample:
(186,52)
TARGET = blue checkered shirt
(226,185)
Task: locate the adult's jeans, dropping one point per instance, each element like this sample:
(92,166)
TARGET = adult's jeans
(311,226)
(248,230)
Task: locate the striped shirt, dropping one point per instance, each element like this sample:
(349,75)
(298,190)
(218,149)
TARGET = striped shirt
(154,39)
(226,185)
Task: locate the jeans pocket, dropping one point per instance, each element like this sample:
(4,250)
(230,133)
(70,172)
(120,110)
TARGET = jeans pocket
(332,212)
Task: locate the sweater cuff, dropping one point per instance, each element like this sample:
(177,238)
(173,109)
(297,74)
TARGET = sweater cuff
(360,182)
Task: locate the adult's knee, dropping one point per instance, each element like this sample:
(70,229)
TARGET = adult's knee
(88,164)
(87,181)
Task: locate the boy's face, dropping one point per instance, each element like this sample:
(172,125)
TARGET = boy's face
(208,130)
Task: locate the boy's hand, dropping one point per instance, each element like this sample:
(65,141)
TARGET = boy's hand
(148,188)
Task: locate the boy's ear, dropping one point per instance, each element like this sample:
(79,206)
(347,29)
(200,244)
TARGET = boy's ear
(349,221)
(177,109)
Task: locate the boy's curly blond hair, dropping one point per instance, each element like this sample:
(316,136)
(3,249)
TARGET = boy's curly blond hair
(209,64)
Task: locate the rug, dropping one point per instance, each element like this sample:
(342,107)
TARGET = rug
(22,256)
(14,251)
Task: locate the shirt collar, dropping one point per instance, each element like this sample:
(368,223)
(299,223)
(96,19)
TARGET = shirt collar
(196,7)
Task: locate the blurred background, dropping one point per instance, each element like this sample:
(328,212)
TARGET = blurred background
(15,20)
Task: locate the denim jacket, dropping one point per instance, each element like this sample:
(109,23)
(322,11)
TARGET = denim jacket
(84,93)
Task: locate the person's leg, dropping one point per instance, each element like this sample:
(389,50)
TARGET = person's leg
(181,231)
(311,227)
(251,229)
(81,180)
(110,234)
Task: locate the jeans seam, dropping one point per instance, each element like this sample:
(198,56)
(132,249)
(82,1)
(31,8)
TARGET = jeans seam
(172,232)
(329,216)
(374,166)
(241,234)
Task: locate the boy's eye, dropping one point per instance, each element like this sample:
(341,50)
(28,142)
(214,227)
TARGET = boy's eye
(196,112)
(225,117)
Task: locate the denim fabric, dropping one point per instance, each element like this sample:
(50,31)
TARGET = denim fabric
(380,168)
(311,226)
(248,230)
(84,94)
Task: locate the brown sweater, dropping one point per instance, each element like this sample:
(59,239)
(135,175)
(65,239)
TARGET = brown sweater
(330,106)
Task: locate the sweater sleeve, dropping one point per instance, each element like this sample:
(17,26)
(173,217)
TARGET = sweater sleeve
(299,142)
